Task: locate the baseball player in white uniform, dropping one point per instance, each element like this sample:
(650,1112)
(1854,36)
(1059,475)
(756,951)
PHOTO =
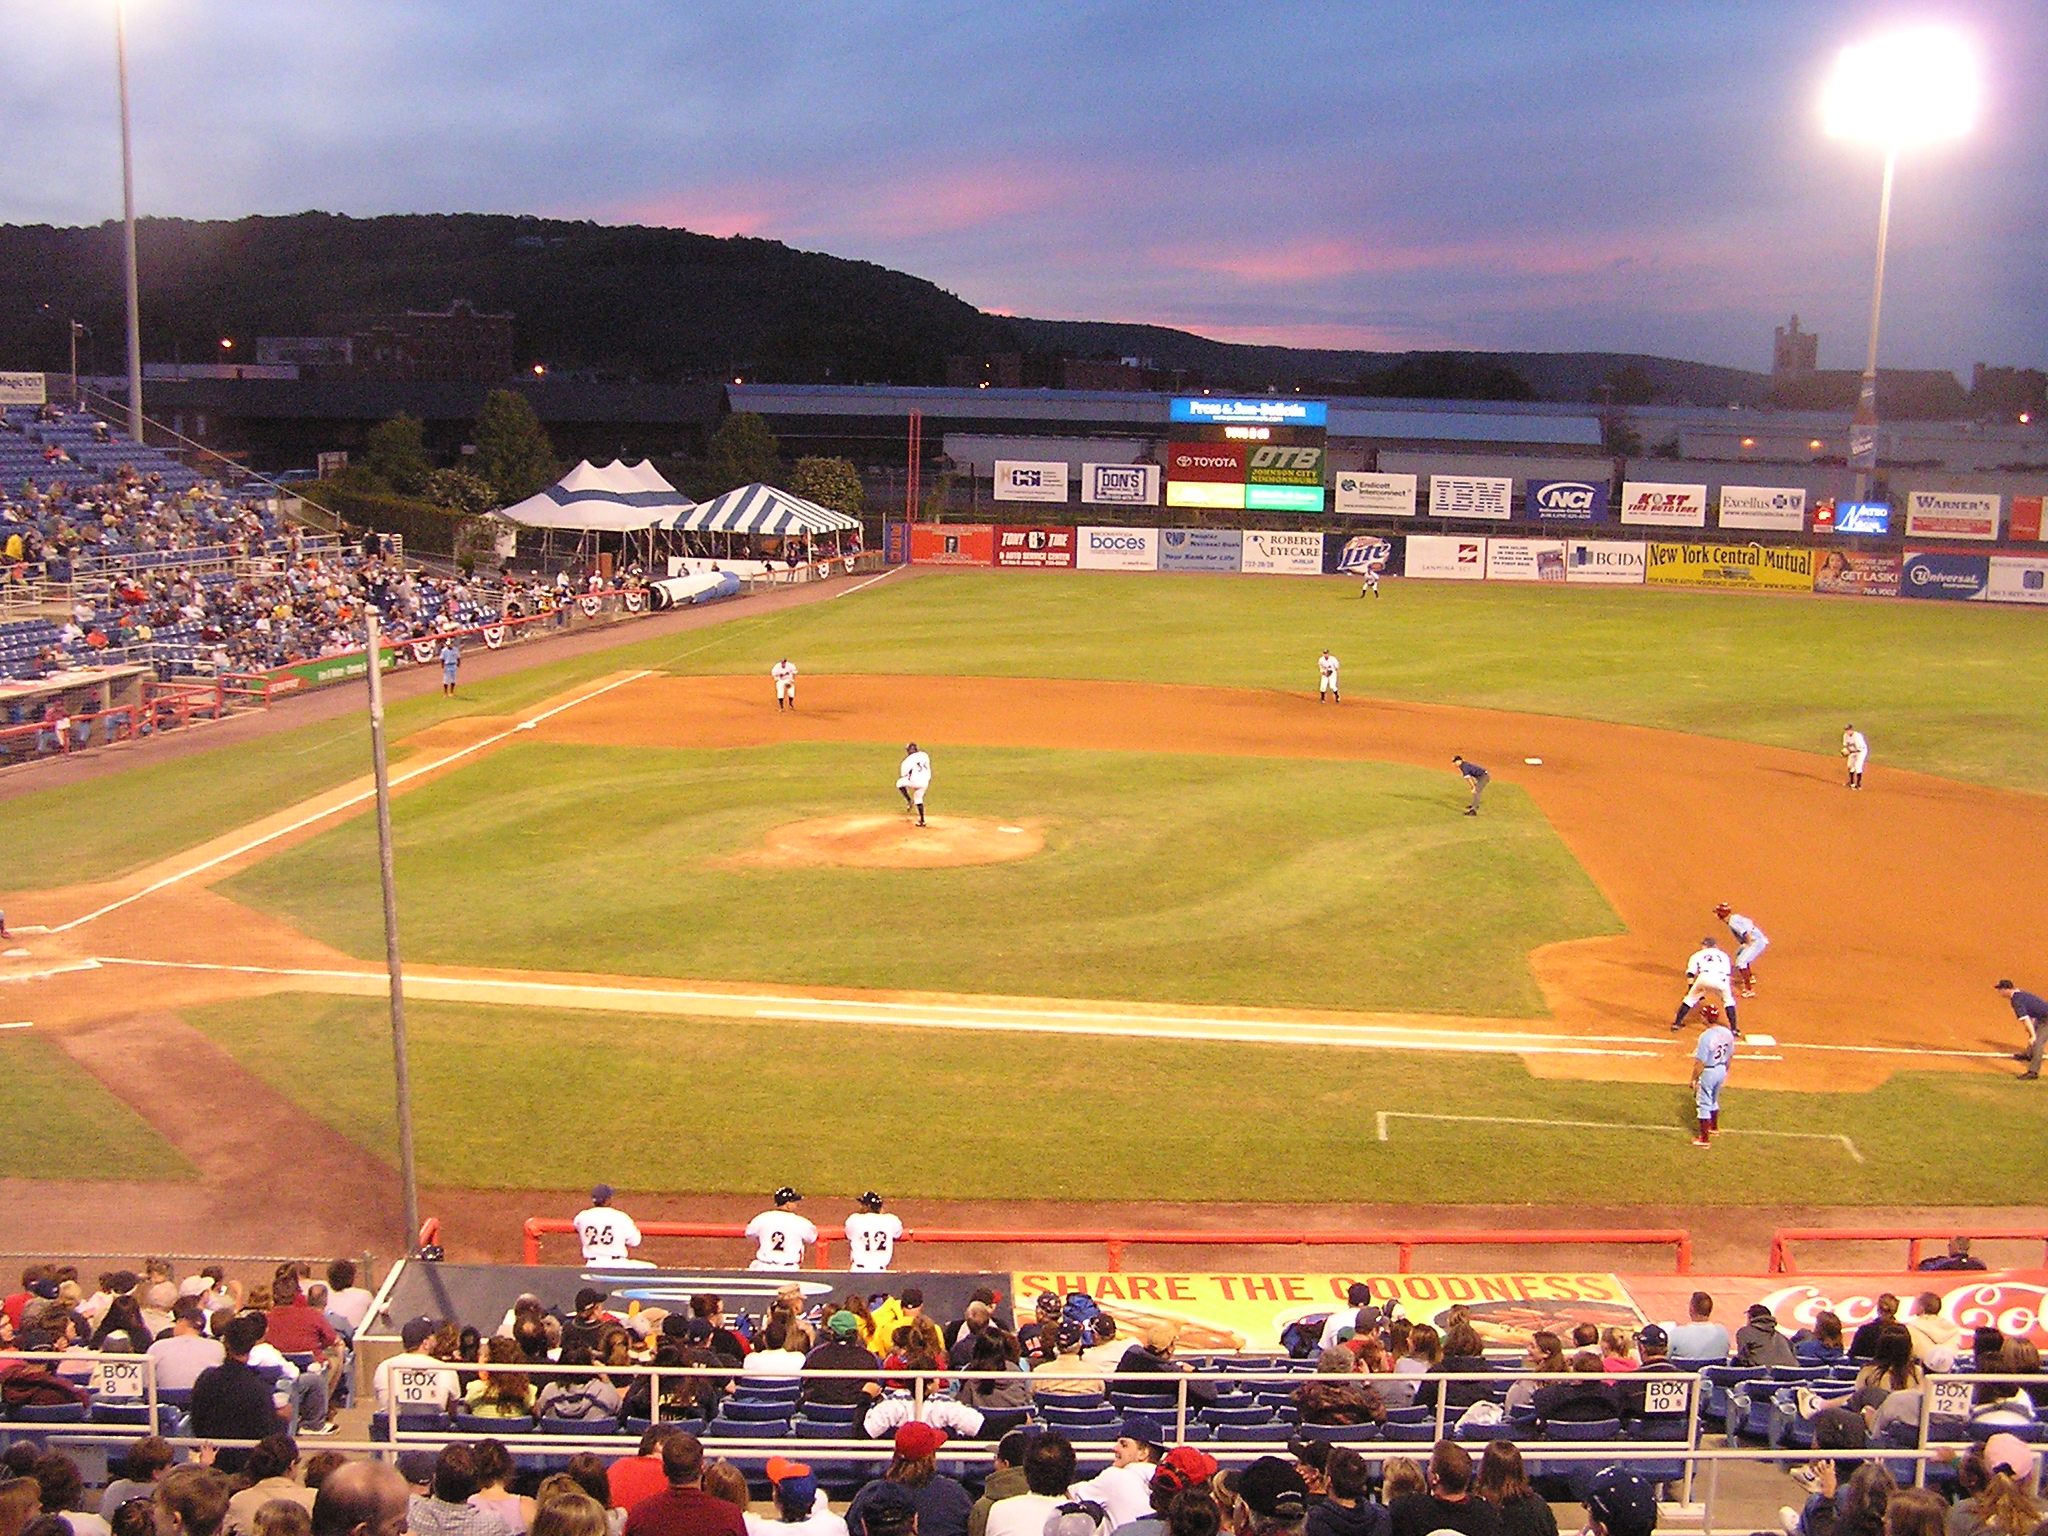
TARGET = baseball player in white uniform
(1326,679)
(871,1236)
(1750,942)
(1710,1060)
(1708,970)
(1855,752)
(780,1235)
(913,778)
(606,1234)
(1372,582)
(784,673)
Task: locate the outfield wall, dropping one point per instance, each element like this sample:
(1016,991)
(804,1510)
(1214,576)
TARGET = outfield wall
(1944,573)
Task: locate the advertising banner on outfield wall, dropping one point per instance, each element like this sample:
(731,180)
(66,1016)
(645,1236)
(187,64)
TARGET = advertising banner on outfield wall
(2025,521)
(1035,549)
(1850,573)
(1221,462)
(1219,1313)
(1120,485)
(1031,480)
(1568,501)
(1268,552)
(952,544)
(1471,496)
(1604,562)
(1755,566)
(28,389)
(1666,506)
(1938,573)
(1437,557)
(1360,553)
(2017,579)
(1117,549)
(1284,464)
(1363,495)
(1951,515)
(1200,549)
(1525,560)
(1777,508)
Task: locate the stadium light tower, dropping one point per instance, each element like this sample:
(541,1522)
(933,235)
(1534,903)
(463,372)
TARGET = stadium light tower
(1914,86)
(128,230)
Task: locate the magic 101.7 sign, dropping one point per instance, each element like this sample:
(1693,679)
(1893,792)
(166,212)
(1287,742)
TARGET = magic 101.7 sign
(1247,455)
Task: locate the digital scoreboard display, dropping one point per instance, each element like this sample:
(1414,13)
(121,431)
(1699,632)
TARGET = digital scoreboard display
(1247,455)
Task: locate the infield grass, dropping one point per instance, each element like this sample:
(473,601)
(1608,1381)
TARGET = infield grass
(1165,877)
(1959,689)
(62,1123)
(537,1098)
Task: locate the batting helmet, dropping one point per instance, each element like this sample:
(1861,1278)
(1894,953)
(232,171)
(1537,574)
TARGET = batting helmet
(871,1201)
(1711,1012)
(1722,909)
(786,1196)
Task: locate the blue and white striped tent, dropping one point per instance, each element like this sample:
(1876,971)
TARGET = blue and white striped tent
(761,509)
(617,498)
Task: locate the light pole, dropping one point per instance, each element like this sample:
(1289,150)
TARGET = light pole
(128,230)
(1915,86)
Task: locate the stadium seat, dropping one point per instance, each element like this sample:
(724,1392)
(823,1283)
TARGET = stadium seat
(1062,1417)
(1250,1433)
(745,1429)
(484,1426)
(813,1429)
(746,1410)
(594,1426)
(1418,1434)
(53,1413)
(1262,1414)
(1091,1434)
(1339,1434)
(828,1413)
(1411,1415)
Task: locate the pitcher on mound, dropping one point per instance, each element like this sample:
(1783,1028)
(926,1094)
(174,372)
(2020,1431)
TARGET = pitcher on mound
(913,778)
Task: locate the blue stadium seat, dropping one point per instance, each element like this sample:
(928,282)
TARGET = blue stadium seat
(1060,1416)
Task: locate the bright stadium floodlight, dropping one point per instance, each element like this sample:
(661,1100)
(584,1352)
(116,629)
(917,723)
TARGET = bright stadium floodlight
(1918,85)
(1910,87)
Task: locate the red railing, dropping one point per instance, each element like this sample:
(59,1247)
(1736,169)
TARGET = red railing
(1914,1237)
(1114,1243)
(164,706)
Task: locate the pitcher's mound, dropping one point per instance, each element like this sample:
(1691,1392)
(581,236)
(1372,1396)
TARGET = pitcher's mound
(896,842)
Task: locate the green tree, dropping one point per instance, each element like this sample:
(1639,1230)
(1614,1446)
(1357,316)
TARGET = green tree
(395,451)
(740,452)
(460,491)
(512,448)
(832,483)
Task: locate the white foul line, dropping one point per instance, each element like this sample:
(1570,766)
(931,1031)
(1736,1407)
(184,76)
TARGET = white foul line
(24,1024)
(1605,1125)
(353,801)
(864,585)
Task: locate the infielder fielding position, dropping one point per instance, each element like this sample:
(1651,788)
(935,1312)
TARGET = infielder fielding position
(913,778)
(1710,1060)
(1855,752)
(1477,777)
(1326,679)
(784,673)
(1750,942)
(1708,971)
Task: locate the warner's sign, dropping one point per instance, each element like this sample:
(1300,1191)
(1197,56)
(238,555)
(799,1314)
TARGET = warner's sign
(1568,501)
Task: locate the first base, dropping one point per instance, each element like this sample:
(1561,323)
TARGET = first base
(1533,762)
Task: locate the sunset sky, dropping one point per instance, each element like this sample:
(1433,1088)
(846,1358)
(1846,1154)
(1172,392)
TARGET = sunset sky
(1644,177)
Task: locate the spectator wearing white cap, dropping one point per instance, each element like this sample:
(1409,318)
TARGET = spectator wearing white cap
(1124,1487)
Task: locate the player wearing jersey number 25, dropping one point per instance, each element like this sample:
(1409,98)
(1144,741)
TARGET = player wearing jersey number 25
(606,1233)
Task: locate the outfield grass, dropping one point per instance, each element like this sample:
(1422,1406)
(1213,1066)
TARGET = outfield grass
(1949,688)
(508,1098)
(1165,877)
(63,1124)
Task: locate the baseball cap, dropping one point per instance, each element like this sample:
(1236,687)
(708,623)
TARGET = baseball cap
(2009,1453)
(2003,984)
(888,1499)
(1758,1312)
(1620,1500)
(192,1285)
(589,1296)
(1653,1334)
(870,1201)
(416,1333)
(1273,1489)
(786,1196)
(1068,1334)
(794,1479)
(417,1467)
(1141,1427)
(917,1440)
(843,1323)
(1078,1517)
(1183,1468)
(697,1330)
(600,1193)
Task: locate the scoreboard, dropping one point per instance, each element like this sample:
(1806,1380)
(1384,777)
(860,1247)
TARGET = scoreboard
(1247,455)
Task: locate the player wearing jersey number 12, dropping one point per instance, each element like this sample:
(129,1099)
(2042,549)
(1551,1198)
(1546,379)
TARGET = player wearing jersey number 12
(871,1236)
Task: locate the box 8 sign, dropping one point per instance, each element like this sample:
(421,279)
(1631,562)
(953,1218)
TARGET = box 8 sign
(1120,485)
(1031,480)
(1471,496)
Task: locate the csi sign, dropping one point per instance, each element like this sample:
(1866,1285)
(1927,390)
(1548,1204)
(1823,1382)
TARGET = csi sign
(1031,480)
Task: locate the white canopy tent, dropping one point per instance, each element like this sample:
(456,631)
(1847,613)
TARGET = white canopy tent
(762,510)
(618,498)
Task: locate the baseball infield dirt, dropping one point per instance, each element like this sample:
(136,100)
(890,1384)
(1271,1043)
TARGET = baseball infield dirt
(894,842)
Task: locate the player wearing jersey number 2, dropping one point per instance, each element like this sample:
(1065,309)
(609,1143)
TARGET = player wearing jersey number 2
(780,1235)
(871,1236)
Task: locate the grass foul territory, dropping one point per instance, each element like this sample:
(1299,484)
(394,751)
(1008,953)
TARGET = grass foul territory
(63,1124)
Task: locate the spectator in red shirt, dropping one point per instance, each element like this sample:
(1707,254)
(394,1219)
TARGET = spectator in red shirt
(295,1327)
(635,1479)
(684,1508)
